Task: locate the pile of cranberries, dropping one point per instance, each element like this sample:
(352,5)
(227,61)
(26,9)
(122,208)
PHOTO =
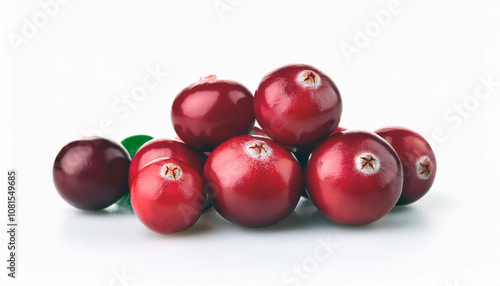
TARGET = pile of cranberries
(251,176)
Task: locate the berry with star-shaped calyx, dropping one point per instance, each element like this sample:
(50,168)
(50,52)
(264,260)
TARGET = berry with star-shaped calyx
(253,181)
(418,159)
(354,177)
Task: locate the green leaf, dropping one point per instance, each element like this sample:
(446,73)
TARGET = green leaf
(133,143)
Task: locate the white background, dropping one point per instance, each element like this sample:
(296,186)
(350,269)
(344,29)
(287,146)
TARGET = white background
(66,75)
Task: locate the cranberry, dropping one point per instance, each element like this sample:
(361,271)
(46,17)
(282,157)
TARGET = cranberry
(209,112)
(91,173)
(159,148)
(167,195)
(418,159)
(253,181)
(354,177)
(297,105)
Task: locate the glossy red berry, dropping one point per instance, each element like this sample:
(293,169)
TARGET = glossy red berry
(253,181)
(354,177)
(418,159)
(297,105)
(167,195)
(209,112)
(91,173)
(158,148)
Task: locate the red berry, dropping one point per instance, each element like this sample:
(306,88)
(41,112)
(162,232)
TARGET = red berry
(167,195)
(418,159)
(253,181)
(91,174)
(158,148)
(209,112)
(354,177)
(297,105)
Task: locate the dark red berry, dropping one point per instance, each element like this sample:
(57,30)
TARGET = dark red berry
(418,159)
(209,112)
(91,173)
